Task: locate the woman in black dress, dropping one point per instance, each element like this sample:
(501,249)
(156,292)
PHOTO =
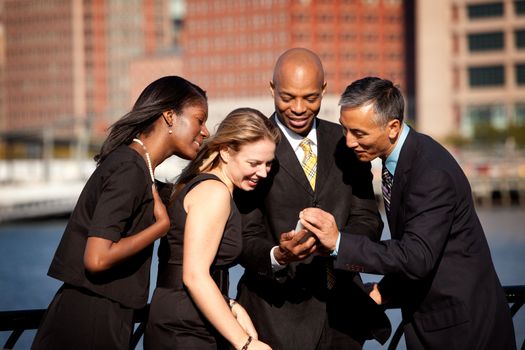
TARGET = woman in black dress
(104,256)
(189,309)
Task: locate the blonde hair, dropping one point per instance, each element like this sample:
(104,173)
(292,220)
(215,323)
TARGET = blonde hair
(240,127)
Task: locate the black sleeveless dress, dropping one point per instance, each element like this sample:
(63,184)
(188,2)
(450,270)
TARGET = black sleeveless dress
(174,320)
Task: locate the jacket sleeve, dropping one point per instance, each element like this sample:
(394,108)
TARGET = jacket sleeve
(256,240)
(427,211)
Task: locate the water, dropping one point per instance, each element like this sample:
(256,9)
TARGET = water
(26,250)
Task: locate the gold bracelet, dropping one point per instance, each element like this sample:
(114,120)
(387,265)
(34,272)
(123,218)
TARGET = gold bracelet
(245,347)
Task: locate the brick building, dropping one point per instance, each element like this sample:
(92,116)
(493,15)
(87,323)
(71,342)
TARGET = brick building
(67,61)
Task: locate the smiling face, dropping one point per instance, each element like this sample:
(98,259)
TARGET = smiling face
(189,130)
(364,136)
(297,90)
(250,164)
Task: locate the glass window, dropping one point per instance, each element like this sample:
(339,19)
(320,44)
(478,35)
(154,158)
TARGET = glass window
(520,74)
(486,76)
(519,38)
(484,116)
(519,113)
(519,7)
(485,41)
(491,9)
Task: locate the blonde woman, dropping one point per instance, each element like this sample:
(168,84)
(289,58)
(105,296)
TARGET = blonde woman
(189,309)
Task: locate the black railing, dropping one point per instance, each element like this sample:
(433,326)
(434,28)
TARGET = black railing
(19,321)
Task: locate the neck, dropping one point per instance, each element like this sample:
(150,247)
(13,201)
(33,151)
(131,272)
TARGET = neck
(146,156)
(157,155)
(393,144)
(221,174)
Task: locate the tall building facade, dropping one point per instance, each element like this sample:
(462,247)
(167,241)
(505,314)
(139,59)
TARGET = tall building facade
(471,65)
(230,46)
(67,61)
(2,67)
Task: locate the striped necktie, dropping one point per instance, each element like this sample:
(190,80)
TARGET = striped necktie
(387,187)
(309,162)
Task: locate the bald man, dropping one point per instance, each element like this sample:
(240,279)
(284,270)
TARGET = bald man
(288,286)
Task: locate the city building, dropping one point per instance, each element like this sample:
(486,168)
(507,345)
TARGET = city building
(230,46)
(2,67)
(470,58)
(67,61)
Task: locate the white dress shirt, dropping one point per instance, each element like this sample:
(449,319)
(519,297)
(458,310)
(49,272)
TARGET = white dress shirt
(294,140)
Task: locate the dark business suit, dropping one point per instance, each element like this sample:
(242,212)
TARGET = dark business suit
(437,264)
(289,308)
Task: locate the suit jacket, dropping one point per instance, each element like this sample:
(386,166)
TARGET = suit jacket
(289,308)
(437,264)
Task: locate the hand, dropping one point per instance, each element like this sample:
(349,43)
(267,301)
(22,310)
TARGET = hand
(159,211)
(376,295)
(322,224)
(243,318)
(256,345)
(295,246)
(245,321)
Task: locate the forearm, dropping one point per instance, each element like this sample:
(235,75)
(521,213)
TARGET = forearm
(211,303)
(410,257)
(256,258)
(102,254)
(364,219)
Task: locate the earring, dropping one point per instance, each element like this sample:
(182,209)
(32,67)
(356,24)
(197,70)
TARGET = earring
(170,131)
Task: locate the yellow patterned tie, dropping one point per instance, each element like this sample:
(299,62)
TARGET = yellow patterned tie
(309,162)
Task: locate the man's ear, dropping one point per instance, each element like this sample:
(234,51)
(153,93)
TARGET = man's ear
(394,128)
(272,89)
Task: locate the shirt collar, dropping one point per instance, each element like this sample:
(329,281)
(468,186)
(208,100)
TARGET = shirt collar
(295,139)
(391,161)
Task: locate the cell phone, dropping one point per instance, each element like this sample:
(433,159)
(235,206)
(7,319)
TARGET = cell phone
(299,226)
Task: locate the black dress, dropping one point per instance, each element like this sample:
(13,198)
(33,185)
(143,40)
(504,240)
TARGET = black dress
(96,311)
(174,320)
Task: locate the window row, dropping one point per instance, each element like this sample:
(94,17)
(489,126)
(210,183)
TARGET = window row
(232,23)
(496,115)
(490,41)
(487,76)
(367,37)
(219,5)
(241,41)
(346,17)
(493,9)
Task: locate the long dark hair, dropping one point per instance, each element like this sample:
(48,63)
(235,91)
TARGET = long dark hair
(240,127)
(167,93)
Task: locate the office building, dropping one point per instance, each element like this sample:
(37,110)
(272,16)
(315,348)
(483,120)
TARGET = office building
(67,61)
(470,58)
(230,46)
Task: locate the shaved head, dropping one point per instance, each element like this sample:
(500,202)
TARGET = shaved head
(299,61)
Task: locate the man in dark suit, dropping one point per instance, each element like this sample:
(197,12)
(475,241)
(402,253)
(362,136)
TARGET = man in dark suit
(437,265)
(288,288)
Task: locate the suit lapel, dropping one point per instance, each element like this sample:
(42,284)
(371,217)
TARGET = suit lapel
(401,179)
(288,161)
(325,160)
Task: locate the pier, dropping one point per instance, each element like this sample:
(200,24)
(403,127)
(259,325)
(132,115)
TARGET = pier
(39,188)
(35,189)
